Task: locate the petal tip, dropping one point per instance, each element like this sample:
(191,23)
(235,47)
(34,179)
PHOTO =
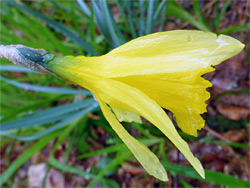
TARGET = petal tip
(201,171)
(160,174)
(235,45)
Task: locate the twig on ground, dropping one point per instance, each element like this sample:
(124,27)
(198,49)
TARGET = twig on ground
(215,134)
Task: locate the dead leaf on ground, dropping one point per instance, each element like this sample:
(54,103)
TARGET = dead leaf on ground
(133,170)
(235,136)
(236,99)
(234,112)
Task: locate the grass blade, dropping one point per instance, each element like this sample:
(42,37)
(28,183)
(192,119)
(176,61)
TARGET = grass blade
(235,28)
(130,19)
(117,161)
(185,184)
(57,26)
(162,19)
(45,89)
(113,29)
(160,9)
(233,144)
(142,18)
(107,20)
(198,12)
(141,130)
(101,23)
(222,12)
(211,176)
(48,116)
(150,17)
(26,156)
(54,127)
(116,148)
(84,7)
(10,68)
(61,166)
(29,108)
(174,9)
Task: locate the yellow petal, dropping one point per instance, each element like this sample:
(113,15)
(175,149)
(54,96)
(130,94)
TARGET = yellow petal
(168,52)
(127,116)
(182,93)
(148,159)
(122,96)
(119,95)
(163,52)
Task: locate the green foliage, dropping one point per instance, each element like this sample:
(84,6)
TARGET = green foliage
(45,108)
(211,176)
(26,156)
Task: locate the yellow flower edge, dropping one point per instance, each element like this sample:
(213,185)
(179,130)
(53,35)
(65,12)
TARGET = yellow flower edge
(158,70)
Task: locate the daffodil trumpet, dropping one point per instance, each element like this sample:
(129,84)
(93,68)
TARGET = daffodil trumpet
(139,78)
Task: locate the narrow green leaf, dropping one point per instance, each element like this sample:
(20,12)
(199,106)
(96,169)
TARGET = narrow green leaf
(198,12)
(150,17)
(4,141)
(36,136)
(232,92)
(108,22)
(141,130)
(160,8)
(235,28)
(111,25)
(70,145)
(93,30)
(61,166)
(233,144)
(117,161)
(185,184)
(32,121)
(116,148)
(162,152)
(222,12)
(109,149)
(45,176)
(77,24)
(26,156)
(121,5)
(134,7)
(210,176)
(163,14)
(48,116)
(45,89)
(84,7)
(118,32)
(142,18)
(11,68)
(174,9)
(29,108)
(62,109)
(130,19)
(101,23)
(216,14)
(59,6)
(67,131)
(54,127)
(57,26)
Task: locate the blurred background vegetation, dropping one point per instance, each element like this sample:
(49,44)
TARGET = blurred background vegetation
(58,129)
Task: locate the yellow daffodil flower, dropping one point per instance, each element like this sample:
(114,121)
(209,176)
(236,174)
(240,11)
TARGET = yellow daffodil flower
(140,77)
